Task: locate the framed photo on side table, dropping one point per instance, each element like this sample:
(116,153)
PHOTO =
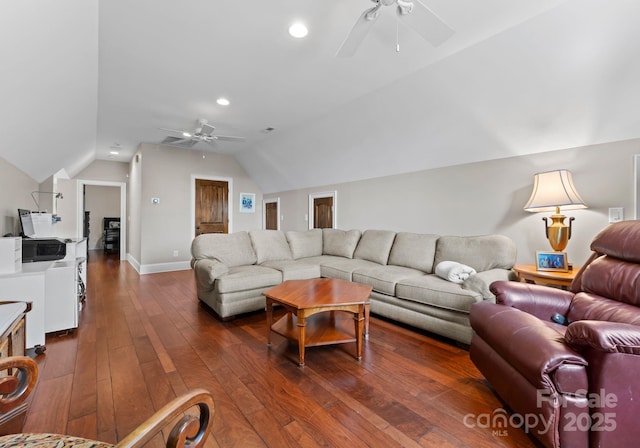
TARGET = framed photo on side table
(551,261)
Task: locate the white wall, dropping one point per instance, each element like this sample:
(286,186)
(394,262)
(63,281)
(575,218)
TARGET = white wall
(166,173)
(15,193)
(484,197)
(134,196)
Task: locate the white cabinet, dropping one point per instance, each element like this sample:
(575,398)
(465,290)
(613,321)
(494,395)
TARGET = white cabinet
(28,286)
(52,287)
(60,298)
(10,255)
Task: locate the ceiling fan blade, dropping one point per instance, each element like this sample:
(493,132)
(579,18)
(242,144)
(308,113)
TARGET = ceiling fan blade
(358,32)
(172,130)
(424,22)
(229,138)
(188,142)
(207,129)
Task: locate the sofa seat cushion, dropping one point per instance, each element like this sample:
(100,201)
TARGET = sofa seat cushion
(241,278)
(432,290)
(342,268)
(305,244)
(375,245)
(341,243)
(270,245)
(384,278)
(294,270)
(414,250)
(322,259)
(232,249)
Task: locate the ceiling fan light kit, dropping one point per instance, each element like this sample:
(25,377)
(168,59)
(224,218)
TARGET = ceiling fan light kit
(416,15)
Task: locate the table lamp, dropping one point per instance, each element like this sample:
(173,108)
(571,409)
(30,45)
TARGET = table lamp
(551,191)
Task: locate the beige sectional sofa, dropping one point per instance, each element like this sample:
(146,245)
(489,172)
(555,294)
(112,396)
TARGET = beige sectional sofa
(232,271)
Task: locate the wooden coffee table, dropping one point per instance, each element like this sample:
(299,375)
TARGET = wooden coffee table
(316,312)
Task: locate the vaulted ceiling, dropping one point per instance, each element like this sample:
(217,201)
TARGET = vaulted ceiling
(80,77)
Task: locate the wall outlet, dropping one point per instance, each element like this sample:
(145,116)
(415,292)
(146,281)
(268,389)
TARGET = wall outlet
(616,214)
(175,253)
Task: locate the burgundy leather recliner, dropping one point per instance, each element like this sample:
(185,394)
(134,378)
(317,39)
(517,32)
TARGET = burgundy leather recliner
(575,385)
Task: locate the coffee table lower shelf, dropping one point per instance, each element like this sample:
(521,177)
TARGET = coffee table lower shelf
(324,328)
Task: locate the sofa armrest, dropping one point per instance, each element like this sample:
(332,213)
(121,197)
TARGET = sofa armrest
(541,301)
(612,337)
(481,281)
(532,346)
(207,270)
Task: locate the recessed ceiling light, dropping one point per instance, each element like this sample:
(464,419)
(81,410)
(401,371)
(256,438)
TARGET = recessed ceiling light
(222,101)
(114,153)
(298,30)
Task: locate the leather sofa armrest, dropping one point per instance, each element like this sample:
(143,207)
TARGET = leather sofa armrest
(612,337)
(207,270)
(532,346)
(481,281)
(541,301)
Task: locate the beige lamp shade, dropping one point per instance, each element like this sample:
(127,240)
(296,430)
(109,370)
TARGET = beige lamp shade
(552,190)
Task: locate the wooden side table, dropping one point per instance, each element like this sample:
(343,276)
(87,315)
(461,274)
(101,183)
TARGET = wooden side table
(529,274)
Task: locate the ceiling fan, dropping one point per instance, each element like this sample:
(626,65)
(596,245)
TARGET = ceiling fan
(202,133)
(416,15)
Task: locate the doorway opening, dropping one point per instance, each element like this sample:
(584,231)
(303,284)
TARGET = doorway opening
(93,210)
(322,210)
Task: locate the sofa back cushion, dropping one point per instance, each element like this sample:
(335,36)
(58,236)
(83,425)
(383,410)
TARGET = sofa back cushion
(233,249)
(619,240)
(305,244)
(414,250)
(270,245)
(341,243)
(375,245)
(613,278)
(480,252)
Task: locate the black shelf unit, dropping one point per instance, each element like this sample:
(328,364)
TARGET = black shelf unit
(111,234)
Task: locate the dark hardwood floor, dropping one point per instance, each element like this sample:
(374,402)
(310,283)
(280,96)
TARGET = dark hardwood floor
(142,340)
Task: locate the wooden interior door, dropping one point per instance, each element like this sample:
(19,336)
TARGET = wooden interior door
(323,213)
(271,215)
(212,206)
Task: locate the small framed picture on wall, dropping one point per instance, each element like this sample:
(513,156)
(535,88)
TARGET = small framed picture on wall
(551,261)
(247,202)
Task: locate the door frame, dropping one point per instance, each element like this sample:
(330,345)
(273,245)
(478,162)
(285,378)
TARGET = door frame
(123,210)
(264,211)
(334,213)
(229,182)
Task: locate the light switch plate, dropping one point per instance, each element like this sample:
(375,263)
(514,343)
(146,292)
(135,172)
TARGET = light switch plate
(616,214)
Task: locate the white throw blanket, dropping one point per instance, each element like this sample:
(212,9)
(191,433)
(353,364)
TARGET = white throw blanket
(453,271)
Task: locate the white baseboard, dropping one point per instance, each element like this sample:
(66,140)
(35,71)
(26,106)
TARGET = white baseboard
(158,267)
